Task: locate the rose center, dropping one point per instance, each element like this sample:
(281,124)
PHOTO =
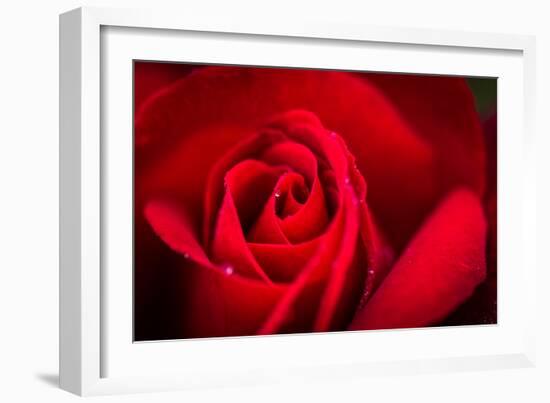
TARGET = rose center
(290,195)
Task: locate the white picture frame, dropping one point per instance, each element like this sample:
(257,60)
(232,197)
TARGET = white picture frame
(96,354)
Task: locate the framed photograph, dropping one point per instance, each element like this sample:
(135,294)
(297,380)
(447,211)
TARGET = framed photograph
(246,202)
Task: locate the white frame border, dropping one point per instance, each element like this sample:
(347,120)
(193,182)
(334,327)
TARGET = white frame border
(80,164)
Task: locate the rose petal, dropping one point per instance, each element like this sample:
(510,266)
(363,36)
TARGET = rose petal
(396,162)
(290,187)
(182,172)
(481,308)
(249,148)
(200,299)
(305,127)
(283,263)
(155,317)
(251,183)
(296,310)
(310,220)
(439,269)
(296,156)
(150,77)
(347,274)
(345,270)
(267,228)
(229,245)
(216,304)
(379,254)
(441,110)
(293,198)
(170,223)
(276,225)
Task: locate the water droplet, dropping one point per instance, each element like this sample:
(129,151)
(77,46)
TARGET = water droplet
(228,269)
(332,134)
(364,299)
(347,180)
(186,255)
(371,272)
(277,193)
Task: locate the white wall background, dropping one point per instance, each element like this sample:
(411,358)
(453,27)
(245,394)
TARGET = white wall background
(29,199)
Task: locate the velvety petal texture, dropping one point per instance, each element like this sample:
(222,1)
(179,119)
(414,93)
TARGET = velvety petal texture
(388,152)
(273,200)
(284,209)
(439,269)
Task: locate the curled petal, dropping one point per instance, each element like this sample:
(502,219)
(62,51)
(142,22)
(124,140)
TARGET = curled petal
(283,262)
(297,308)
(439,269)
(481,308)
(267,228)
(171,224)
(296,156)
(397,163)
(310,220)
(380,255)
(182,172)
(229,244)
(441,111)
(250,183)
(251,146)
(202,299)
(214,303)
(347,273)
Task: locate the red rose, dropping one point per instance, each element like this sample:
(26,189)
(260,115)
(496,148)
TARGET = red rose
(280,201)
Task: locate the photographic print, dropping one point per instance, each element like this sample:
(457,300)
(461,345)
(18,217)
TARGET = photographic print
(271,200)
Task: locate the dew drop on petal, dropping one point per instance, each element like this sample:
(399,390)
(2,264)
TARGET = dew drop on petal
(277,193)
(186,255)
(332,134)
(228,269)
(364,299)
